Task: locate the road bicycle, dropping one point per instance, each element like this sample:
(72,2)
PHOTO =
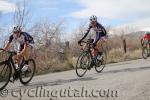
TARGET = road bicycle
(86,60)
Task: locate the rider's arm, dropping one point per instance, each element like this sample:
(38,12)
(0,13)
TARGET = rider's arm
(101,28)
(6,47)
(85,35)
(104,30)
(22,53)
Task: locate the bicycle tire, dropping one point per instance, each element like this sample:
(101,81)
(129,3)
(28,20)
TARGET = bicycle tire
(6,65)
(80,58)
(30,77)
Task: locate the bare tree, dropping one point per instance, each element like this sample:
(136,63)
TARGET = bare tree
(80,31)
(47,40)
(47,32)
(21,15)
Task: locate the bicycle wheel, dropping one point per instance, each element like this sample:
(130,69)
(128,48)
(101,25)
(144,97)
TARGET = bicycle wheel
(26,77)
(145,52)
(82,64)
(100,61)
(5,74)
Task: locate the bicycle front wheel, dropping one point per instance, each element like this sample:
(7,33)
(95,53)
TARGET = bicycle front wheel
(5,74)
(26,77)
(82,64)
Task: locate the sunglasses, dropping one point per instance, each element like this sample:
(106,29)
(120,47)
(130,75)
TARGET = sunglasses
(15,32)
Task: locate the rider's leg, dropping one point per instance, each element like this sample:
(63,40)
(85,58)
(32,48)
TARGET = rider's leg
(26,58)
(17,59)
(98,45)
(27,54)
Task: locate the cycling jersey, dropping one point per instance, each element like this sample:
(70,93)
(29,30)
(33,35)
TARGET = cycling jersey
(22,39)
(99,29)
(147,36)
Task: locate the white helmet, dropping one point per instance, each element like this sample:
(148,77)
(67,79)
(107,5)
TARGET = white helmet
(16,29)
(93,18)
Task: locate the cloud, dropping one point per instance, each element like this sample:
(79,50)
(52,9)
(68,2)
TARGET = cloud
(140,25)
(6,6)
(132,15)
(113,9)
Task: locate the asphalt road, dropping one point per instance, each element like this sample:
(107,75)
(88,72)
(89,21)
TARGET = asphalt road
(120,81)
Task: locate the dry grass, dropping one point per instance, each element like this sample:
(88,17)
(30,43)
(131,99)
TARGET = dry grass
(136,54)
(117,55)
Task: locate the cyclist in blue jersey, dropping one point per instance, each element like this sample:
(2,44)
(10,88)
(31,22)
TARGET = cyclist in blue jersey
(101,34)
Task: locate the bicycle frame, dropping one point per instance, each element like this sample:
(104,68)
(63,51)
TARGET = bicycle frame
(89,50)
(11,61)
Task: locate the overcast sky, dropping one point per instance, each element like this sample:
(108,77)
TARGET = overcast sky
(115,13)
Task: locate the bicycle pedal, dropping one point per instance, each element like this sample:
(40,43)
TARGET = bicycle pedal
(12,80)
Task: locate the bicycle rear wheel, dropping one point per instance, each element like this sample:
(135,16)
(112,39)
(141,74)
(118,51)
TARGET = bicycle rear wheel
(100,61)
(82,64)
(26,77)
(5,74)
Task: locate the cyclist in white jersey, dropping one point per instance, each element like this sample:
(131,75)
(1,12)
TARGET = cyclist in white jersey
(26,44)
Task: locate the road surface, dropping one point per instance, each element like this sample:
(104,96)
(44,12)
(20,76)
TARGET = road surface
(120,81)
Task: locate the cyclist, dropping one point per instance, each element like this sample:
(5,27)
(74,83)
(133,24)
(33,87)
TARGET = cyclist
(101,34)
(25,42)
(146,38)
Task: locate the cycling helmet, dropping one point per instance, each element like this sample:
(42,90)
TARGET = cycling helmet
(93,18)
(16,29)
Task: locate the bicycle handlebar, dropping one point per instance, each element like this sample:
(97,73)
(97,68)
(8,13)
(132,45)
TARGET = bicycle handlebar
(89,43)
(85,43)
(11,52)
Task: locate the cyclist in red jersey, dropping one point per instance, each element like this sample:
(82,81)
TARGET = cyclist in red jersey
(146,38)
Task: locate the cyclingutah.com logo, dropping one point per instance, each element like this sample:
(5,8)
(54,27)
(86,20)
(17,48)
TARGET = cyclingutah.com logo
(69,92)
